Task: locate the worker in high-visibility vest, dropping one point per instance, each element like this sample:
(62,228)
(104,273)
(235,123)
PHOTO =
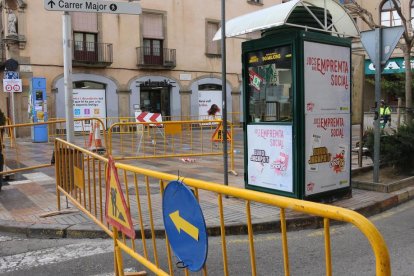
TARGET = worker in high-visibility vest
(385,114)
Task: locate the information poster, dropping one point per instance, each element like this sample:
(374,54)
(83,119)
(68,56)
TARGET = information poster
(327,78)
(269,153)
(327,153)
(88,103)
(327,117)
(205,100)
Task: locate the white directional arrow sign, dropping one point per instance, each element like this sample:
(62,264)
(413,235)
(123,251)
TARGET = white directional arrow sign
(93,6)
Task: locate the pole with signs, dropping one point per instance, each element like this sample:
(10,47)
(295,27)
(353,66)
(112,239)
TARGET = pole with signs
(67,6)
(379,44)
(67,76)
(12,84)
(378,70)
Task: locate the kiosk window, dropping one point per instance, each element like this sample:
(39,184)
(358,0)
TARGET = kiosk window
(270,85)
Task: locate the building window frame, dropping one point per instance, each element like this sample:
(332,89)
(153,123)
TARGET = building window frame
(85,46)
(213,48)
(153,41)
(388,14)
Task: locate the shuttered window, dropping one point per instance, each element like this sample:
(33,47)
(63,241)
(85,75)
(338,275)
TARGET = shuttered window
(84,22)
(152,26)
(212,47)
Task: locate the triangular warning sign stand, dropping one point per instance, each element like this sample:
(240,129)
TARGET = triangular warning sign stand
(218,134)
(116,211)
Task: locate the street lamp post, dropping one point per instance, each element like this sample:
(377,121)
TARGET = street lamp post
(224,90)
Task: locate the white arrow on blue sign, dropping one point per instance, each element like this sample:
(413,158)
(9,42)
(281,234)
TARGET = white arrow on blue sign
(185,225)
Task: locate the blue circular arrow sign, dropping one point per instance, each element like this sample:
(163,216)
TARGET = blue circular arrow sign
(185,226)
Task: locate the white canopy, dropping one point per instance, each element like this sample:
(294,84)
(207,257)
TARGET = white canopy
(278,15)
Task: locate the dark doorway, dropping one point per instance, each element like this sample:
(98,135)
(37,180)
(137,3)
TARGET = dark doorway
(156,100)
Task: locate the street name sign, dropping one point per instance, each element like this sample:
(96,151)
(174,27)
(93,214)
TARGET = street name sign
(185,225)
(93,6)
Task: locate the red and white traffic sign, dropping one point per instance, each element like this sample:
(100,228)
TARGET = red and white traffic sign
(12,85)
(148,117)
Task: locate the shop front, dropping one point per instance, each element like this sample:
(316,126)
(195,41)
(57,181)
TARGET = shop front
(90,94)
(156,94)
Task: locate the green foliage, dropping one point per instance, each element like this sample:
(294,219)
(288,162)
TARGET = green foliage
(396,148)
(392,84)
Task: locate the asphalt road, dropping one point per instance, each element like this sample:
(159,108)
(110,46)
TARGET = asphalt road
(351,252)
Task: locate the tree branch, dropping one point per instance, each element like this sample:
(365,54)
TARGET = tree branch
(365,15)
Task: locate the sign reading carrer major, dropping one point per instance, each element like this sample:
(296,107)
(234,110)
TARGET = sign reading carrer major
(93,6)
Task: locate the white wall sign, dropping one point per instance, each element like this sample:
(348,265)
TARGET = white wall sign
(88,103)
(185,77)
(269,154)
(12,85)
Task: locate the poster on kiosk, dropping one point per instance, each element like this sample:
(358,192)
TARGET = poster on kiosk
(270,130)
(327,71)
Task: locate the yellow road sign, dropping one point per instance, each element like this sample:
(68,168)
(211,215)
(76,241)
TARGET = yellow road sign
(117,212)
(218,134)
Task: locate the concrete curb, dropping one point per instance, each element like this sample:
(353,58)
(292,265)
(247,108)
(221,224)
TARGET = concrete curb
(91,231)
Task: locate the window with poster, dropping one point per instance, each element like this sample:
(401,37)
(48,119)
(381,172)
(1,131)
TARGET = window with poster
(270,85)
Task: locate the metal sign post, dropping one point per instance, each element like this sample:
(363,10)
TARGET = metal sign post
(12,84)
(80,6)
(224,89)
(377,133)
(67,76)
(379,44)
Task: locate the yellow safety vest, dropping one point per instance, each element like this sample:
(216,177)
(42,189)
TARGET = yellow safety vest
(385,111)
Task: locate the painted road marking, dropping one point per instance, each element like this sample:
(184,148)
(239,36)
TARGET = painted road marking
(54,255)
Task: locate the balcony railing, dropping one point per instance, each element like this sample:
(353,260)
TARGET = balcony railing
(156,58)
(92,54)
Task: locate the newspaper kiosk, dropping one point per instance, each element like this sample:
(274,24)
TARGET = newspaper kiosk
(297,111)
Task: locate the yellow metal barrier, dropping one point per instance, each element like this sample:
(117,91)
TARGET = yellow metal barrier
(19,152)
(80,176)
(232,117)
(169,139)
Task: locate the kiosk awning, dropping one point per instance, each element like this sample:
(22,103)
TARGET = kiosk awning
(278,15)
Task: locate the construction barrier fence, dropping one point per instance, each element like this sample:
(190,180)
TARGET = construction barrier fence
(21,153)
(168,139)
(81,176)
(127,140)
